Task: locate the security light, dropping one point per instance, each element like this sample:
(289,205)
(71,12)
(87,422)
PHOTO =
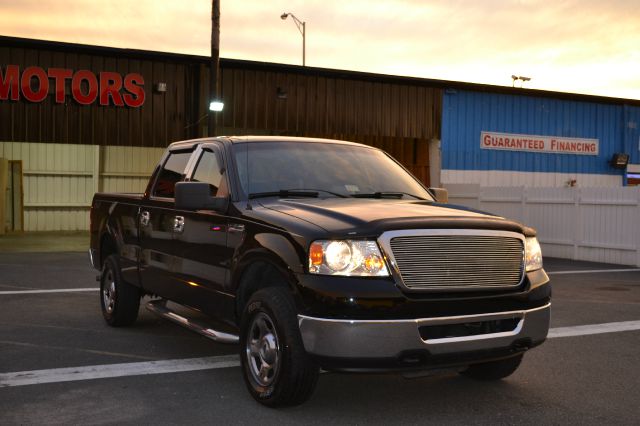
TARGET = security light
(216,106)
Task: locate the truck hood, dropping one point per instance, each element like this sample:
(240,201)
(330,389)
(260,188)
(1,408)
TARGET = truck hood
(370,217)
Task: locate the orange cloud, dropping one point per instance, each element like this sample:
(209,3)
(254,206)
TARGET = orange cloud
(584,46)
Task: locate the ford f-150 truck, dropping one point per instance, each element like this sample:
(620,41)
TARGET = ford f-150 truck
(319,254)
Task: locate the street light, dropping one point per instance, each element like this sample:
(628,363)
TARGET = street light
(522,78)
(301,27)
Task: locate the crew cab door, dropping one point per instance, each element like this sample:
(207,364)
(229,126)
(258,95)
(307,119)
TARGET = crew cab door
(200,239)
(156,221)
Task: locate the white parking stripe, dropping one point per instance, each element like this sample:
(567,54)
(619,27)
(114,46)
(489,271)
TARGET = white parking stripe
(585,330)
(592,271)
(57,375)
(58,290)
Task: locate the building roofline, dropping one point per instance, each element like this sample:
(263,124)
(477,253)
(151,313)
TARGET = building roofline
(317,71)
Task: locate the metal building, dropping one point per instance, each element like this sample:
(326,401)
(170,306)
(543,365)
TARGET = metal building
(524,139)
(77,119)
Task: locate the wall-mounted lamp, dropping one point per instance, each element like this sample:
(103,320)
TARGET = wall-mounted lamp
(160,87)
(281,93)
(619,160)
(216,105)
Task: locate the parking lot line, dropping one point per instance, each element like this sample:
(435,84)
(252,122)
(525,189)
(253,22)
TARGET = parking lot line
(592,271)
(584,330)
(58,290)
(57,375)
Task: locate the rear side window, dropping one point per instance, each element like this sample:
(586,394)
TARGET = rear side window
(172,172)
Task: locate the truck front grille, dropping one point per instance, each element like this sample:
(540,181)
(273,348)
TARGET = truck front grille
(458,262)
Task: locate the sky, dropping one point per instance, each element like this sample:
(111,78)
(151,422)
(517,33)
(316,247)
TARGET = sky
(578,46)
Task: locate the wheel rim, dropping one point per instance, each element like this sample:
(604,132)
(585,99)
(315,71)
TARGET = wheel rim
(263,350)
(109,292)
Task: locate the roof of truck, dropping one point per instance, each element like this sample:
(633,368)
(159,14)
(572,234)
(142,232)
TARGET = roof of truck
(244,139)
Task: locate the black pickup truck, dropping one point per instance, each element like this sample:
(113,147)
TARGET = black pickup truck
(314,253)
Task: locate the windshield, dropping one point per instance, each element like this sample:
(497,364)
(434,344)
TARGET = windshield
(331,170)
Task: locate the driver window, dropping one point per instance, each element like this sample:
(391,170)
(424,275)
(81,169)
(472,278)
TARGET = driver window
(209,170)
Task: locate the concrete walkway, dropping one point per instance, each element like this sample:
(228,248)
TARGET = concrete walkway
(44,242)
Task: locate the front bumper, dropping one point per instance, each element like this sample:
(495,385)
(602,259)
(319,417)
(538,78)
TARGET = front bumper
(366,340)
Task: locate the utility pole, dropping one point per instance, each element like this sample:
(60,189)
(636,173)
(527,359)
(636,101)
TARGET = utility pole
(215,64)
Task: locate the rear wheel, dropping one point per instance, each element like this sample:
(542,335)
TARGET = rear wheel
(277,370)
(119,300)
(494,370)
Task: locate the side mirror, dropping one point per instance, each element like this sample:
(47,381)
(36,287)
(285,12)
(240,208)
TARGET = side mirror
(441,194)
(197,196)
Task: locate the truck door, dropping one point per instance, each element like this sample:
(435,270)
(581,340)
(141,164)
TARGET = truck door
(201,240)
(157,222)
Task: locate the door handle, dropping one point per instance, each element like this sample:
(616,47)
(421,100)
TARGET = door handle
(144,218)
(178,224)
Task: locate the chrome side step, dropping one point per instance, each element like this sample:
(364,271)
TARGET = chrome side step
(159,307)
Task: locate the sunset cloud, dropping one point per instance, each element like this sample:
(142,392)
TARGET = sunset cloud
(583,46)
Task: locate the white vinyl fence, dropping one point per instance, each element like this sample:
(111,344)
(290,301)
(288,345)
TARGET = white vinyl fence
(59,180)
(593,224)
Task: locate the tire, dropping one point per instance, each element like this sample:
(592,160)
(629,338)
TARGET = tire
(276,369)
(494,370)
(119,300)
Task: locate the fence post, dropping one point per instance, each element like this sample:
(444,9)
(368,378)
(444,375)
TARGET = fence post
(96,170)
(525,210)
(577,231)
(638,230)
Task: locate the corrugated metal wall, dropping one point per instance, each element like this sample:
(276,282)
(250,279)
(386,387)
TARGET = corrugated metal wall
(164,117)
(60,179)
(466,114)
(399,118)
(309,103)
(631,126)
(592,224)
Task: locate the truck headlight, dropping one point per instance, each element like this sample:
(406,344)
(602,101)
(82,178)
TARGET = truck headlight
(347,257)
(532,254)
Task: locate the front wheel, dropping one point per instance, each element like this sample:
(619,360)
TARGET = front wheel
(277,370)
(494,370)
(119,300)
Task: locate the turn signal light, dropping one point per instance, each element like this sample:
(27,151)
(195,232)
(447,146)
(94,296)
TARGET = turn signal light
(316,254)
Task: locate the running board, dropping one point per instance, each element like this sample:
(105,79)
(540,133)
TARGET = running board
(159,307)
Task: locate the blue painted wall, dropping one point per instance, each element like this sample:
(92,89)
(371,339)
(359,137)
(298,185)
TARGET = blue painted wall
(465,114)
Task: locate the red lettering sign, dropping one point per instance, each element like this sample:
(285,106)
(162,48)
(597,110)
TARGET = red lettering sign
(43,84)
(133,84)
(60,75)
(86,86)
(110,85)
(544,144)
(9,83)
(92,84)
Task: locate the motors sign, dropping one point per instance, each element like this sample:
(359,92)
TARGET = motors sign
(544,144)
(106,87)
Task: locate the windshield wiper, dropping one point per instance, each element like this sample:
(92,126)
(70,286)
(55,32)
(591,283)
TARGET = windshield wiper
(385,194)
(320,190)
(284,193)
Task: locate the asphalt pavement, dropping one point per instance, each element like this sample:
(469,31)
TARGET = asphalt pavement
(133,375)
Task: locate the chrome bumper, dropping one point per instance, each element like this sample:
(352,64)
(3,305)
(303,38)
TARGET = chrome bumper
(372,339)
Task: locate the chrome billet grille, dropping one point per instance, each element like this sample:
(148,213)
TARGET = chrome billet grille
(460,262)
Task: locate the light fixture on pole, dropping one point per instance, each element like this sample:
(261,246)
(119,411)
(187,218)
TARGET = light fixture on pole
(522,78)
(302,28)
